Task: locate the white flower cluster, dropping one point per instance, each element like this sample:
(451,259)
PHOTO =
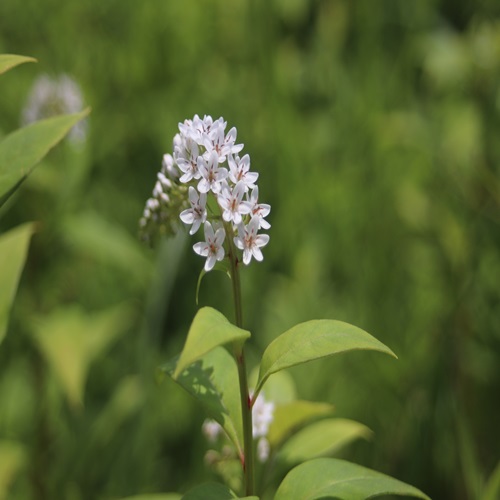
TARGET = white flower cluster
(54,96)
(206,163)
(262,417)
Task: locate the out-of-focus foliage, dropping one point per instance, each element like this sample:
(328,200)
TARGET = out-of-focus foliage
(375,131)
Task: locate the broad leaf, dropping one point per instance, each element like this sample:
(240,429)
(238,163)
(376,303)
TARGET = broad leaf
(212,380)
(213,491)
(21,150)
(289,416)
(12,458)
(209,329)
(314,340)
(71,339)
(321,438)
(8,61)
(13,250)
(333,478)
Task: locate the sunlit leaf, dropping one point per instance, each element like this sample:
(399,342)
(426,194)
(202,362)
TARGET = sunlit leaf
(209,329)
(21,150)
(9,61)
(289,416)
(213,491)
(321,438)
(12,458)
(333,478)
(13,250)
(212,380)
(314,340)
(492,488)
(71,339)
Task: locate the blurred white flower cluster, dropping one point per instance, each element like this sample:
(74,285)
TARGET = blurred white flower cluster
(206,166)
(54,96)
(262,417)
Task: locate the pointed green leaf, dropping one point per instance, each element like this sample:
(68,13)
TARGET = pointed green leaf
(321,438)
(8,61)
(212,381)
(333,478)
(21,150)
(209,329)
(314,340)
(13,250)
(71,339)
(289,416)
(213,491)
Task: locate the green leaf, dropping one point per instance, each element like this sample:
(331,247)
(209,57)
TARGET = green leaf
(290,416)
(213,491)
(21,150)
(330,477)
(13,250)
(71,339)
(314,340)
(492,488)
(222,266)
(155,496)
(12,458)
(9,61)
(321,438)
(209,329)
(212,380)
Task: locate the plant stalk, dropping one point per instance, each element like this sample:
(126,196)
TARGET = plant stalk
(246,409)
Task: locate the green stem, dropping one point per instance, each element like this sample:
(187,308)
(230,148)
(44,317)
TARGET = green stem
(246,410)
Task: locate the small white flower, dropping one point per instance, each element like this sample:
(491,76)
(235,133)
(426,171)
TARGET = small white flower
(220,144)
(260,210)
(239,171)
(186,157)
(211,248)
(230,201)
(168,167)
(197,213)
(211,174)
(249,241)
(211,429)
(262,416)
(263,449)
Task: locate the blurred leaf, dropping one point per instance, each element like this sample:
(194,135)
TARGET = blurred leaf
(492,488)
(331,477)
(292,415)
(280,387)
(9,61)
(107,242)
(314,340)
(12,458)
(212,381)
(209,329)
(13,250)
(21,150)
(155,496)
(321,438)
(71,339)
(212,491)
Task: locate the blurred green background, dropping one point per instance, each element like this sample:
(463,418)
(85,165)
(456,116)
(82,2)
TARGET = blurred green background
(375,127)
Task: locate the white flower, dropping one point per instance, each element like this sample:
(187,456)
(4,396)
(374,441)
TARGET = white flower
(168,167)
(249,241)
(211,429)
(239,171)
(262,416)
(260,210)
(211,248)
(211,174)
(263,449)
(220,144)
(230,201)
(186,156)
(197,213)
